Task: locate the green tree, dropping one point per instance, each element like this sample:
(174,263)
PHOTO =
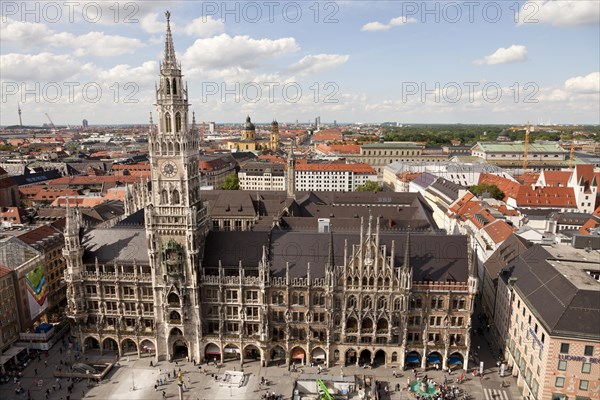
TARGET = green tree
(232,182)
(369,186)
(493,190)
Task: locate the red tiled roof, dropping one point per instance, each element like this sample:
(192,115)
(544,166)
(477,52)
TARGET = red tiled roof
(51,194)
(328,135)
(589,224)
(508,187)
(38,234)
(498,231)
(461,202)
(338,148)
(556,178)
(529,178)
(11,214)
(356,168)
(78,201)
(563,197)
(93,180)
(271,158)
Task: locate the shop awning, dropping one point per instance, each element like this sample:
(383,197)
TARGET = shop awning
(434,359)
(455,360)
(412,359)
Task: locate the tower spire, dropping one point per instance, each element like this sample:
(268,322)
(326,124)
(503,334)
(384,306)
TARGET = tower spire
(169,61)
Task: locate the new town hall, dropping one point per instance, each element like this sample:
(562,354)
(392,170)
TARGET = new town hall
(270,276)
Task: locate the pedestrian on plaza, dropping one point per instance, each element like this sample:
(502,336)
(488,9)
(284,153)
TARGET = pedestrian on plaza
(155,388)
(60,350)
(189,380)
(174,373)
(35,371)
(45,363)
(152,365)
(394,373)
(164,394)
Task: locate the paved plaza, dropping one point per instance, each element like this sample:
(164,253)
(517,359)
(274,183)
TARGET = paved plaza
(134,378)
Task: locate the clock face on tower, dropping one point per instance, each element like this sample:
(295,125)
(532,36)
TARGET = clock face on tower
(169,169)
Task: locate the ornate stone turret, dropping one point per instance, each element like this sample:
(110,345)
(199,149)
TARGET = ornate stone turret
(274,139)
(291,179)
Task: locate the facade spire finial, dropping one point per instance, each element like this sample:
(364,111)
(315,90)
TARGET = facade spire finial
(330,258)
(407,251)
(169,60)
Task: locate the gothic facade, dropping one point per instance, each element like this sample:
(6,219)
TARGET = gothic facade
(359,286)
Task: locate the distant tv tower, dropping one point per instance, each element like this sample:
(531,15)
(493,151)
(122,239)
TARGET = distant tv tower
(20,120)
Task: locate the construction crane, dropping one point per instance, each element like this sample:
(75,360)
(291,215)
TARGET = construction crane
(572,156)
(525,145)
(51,123)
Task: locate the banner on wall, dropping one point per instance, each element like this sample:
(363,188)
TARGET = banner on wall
(37,291)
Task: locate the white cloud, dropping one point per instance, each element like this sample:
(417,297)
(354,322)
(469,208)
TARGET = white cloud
(514,53)
(584,84)
(313,64)
(31,35)
(39,67)
(560,13)
(151,24)
(225,51)
(379,26)
(205,27)
(374,27)
(402,21)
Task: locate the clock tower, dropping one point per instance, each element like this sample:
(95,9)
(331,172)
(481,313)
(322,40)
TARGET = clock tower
(176,217)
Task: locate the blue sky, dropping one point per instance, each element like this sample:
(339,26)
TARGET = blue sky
(377,61)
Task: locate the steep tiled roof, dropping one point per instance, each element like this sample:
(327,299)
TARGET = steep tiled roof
(498,231)
(338,148)
(555,178)
(508,187)
(562,197)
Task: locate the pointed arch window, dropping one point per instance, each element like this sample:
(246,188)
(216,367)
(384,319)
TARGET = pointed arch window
(174,86)
(178,122)
(168,127)
(168,86)
(177,148)
(351,303)
(367,303)
(175,197)
(164,197)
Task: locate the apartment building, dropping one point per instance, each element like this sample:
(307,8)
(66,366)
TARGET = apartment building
(548,311)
